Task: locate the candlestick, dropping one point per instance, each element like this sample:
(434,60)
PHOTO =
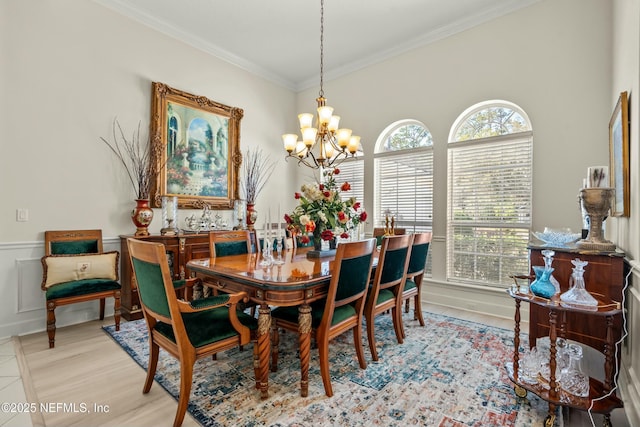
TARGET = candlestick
(279,220)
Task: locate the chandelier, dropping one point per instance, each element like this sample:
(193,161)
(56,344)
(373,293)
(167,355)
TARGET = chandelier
(324,145)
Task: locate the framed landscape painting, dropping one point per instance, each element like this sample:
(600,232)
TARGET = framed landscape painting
(619,156)
(196,142)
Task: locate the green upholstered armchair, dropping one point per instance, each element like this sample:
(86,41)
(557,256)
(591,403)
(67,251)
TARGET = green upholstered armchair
(339,312)
(227,243)
(187,330)
(75,269)
(386,290)
(415,273)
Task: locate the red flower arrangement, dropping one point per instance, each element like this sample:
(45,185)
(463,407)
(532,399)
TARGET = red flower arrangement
(323,212)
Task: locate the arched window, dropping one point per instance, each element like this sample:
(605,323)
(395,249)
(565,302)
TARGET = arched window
(489,186)
(404,176)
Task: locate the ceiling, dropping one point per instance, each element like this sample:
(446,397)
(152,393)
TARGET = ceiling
(280,39)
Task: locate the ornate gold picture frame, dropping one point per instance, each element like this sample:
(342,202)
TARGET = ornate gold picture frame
(619,156)
(196,142)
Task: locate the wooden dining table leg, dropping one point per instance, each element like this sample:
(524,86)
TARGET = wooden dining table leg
(304,333)
(264,348)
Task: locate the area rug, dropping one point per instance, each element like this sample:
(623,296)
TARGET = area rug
(449,373)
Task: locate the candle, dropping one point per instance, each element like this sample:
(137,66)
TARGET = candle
(279,220)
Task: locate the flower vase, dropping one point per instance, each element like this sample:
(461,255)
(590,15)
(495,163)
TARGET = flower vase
(252,215)
(333,243)
(141,216)
(542,286)
(317,251)
(317,240)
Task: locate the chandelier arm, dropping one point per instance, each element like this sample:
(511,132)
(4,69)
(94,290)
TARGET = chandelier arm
(302,160)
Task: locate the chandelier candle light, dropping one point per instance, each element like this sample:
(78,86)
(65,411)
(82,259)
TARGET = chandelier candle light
(332,145)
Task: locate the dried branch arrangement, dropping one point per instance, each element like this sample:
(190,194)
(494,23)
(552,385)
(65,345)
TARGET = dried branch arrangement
(135,157)
(256,171)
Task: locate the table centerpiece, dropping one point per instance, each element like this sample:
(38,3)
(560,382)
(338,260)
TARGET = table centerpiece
(323,214)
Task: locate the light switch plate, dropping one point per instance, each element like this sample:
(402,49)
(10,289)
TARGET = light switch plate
(22,214)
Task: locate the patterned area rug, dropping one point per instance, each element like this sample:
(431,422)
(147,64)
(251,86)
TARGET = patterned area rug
(448,374)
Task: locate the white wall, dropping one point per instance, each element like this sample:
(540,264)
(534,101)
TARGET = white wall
(68,68)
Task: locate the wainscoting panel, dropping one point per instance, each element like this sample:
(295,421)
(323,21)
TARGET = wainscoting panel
(29,278)
(630,371)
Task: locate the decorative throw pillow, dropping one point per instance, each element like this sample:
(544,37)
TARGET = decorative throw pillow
(67,268)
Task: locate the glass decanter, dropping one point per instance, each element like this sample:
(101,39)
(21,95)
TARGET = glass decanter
(572,379)
(548,260)
(577,296)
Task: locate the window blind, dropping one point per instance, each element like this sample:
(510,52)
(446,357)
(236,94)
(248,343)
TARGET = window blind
(352,171)
(404,188)
(489,208)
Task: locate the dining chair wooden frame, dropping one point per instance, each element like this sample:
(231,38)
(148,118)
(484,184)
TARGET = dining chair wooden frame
(341,311)
(187,330)
(379,231)
(415,274)
(385,292)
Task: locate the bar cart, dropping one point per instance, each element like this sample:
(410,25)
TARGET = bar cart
(601,400)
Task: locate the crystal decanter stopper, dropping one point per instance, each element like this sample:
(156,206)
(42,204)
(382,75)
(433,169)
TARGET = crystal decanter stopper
(548,260)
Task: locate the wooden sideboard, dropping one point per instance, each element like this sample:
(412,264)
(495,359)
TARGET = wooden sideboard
(180,249)
(603,275)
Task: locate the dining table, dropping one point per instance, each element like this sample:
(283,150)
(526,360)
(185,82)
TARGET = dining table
(292,280)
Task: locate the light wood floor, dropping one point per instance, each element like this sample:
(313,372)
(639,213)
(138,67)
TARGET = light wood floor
(88,368)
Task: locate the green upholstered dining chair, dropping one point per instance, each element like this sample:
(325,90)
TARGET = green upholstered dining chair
(298,240)
(227,243)
(233,242)
(385,292)
(340,311)
(187,330)
(75,269)
(378,233)
(415,273)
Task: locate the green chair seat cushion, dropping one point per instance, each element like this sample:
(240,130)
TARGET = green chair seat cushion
(409,284)
(384,295)
(209,326)
(80,287)
(290,314)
